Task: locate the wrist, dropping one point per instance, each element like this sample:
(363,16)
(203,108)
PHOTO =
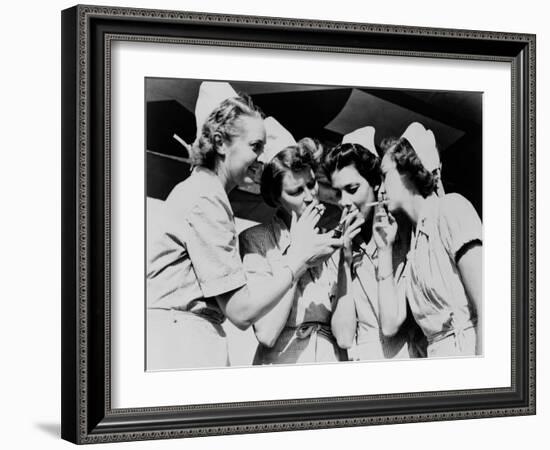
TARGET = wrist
(346,256)
(297,265)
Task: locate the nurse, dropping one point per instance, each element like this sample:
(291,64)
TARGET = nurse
(298,329)
(444,285)
(195,277)
(353,168)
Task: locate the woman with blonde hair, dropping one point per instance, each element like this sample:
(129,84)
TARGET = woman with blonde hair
(195,276)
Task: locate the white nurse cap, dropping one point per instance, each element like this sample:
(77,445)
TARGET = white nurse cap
(423,143)
(277,138)
(211,94)
(362,136)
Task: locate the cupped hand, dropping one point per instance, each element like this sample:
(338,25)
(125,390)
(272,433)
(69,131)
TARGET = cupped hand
(307,223)
(308,246)
(384,228)
(352,223)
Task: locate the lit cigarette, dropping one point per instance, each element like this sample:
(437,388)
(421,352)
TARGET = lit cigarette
(381,202)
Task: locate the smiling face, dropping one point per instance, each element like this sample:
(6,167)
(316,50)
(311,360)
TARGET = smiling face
(353,190)
(299,189)
(242,150)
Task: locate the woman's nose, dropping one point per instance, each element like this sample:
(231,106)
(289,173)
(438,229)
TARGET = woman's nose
(382,192)
(308,196)
(345,200)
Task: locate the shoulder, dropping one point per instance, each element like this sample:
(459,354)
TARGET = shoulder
(451,203)
(456,208)
(200,189)
(257,233)
(459,222)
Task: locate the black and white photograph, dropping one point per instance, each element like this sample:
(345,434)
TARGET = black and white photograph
(311,224)
(275,221)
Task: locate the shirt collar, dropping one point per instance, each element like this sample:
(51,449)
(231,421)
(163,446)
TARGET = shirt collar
(370,248)
(427,215)
(210,177)
(361,247)
(211,183)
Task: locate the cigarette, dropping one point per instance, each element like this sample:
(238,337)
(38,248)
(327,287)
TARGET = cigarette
(381,202)
(346,211)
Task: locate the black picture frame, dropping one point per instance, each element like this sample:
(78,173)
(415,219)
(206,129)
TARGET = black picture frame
(87,34)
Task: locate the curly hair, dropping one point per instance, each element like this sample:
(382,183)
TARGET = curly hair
(343,155)
(294,158)
(224,122)
(408,163)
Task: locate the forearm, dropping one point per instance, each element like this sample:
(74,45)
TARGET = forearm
(268,327)
(344,315)
(391,306)
(247,305)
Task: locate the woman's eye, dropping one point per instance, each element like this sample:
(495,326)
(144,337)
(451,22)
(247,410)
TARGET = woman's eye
(311,185)
(296,193)
(351,189)
(258,147)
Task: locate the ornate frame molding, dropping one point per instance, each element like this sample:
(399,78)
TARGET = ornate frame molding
(87,421)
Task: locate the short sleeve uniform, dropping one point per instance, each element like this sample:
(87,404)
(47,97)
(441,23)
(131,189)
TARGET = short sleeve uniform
(435,291)
(263,248)
(370,343)
(195,256)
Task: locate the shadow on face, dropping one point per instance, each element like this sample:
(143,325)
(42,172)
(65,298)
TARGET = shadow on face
(298,190)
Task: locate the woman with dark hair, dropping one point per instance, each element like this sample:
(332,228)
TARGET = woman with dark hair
(195,276)
(354,172)
(444,287)
(297,329)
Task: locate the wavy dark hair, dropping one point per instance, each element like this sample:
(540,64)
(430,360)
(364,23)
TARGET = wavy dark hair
(294,158)
(222,120)
(408,163)
(343,155)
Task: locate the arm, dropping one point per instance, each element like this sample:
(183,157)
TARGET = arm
(256,246)
(392,307)
(268,327)
(344,315)
(461,231)
(245,306)
(470,268)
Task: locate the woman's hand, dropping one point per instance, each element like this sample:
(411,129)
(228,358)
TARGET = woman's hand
(305,226)
(384,228)
(352,223)
(308,248)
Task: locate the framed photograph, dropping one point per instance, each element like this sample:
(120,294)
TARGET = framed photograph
(280,224)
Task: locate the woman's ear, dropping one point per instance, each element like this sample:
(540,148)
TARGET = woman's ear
(219,144)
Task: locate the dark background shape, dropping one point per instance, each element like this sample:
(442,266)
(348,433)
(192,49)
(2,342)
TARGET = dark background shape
(326,113)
